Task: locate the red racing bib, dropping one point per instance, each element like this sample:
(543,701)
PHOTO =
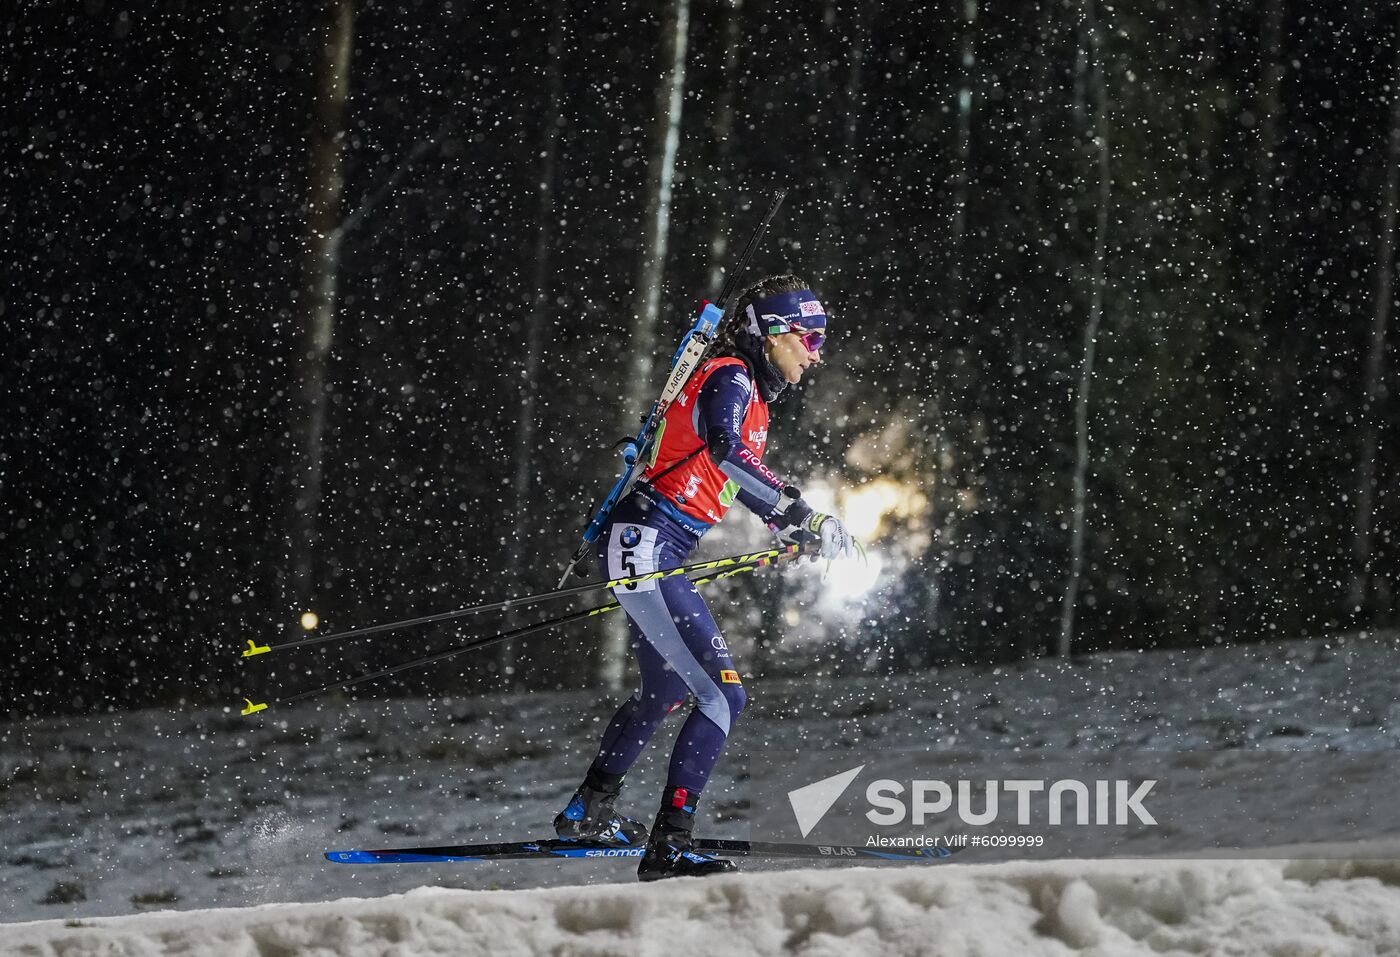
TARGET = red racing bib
(698,487)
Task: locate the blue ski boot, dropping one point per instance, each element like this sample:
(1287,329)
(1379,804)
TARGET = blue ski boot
(591,816)
(669,851)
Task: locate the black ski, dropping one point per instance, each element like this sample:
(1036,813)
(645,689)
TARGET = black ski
(553,848)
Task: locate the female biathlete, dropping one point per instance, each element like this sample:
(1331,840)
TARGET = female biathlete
(709,450)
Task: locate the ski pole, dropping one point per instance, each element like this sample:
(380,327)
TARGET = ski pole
(252,708)
(693,348)
(525,601)
(768,559)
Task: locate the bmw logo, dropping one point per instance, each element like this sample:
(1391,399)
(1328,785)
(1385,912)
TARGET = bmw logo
(631,535)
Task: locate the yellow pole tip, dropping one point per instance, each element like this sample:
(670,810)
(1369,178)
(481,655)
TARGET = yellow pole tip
(253,708)
(255,649)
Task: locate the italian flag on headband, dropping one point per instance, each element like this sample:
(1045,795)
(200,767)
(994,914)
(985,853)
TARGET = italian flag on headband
(780,313)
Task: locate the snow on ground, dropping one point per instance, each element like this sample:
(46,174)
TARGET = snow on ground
(113,814)
(1119,908)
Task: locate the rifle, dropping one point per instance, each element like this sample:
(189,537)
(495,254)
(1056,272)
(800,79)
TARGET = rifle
(687,359)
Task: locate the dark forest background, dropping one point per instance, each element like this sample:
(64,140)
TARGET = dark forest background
(1198,197)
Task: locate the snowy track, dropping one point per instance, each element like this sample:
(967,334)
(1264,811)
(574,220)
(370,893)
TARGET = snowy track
(110,814)
(1105,907)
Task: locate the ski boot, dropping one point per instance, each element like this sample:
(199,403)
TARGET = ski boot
(590,815)
(669,851)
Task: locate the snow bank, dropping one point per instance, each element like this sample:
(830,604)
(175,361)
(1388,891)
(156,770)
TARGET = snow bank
(1023,909)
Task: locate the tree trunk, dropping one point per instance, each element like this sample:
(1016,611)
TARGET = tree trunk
(722,135)
(1207,69)
(523,484)
(1091,333)
(832,258)
(1035,122)
(1373,378)
(640,390)
(1269,109)
(1268,173)
(1037,221)
(962,163)
(320,267)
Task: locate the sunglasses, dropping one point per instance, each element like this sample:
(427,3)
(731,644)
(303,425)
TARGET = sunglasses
(812,339)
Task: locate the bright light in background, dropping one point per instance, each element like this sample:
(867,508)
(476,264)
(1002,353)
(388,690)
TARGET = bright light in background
(864,509)
(851,578)
(309,621)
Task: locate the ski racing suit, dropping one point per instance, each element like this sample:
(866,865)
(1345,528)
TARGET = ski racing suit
(707,455)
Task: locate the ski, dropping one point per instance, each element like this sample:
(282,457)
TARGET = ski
(553,848)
